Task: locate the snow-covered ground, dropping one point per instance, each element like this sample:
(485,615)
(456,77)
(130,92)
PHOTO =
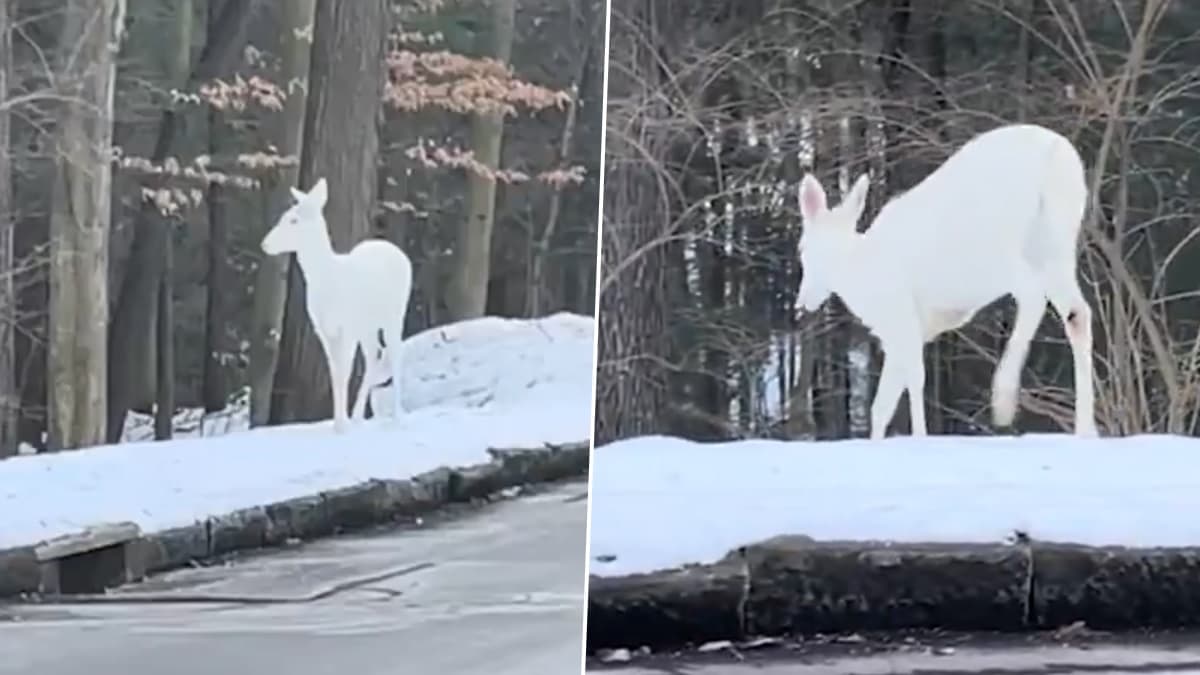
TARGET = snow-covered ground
(192,422)
(469,386)
(659,502)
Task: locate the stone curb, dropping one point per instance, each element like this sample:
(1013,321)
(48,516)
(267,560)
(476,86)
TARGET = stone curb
(374,502)
(797,586)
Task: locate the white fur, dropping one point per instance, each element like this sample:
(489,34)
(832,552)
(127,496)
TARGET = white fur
(1000,217)
(352,299)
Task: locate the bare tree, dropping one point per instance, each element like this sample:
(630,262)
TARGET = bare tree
(535,304)
(79,224)
(214,387)
(10,395)
(466,292)
(164,394)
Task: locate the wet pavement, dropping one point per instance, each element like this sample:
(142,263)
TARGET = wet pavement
(1075,652)
(499,591)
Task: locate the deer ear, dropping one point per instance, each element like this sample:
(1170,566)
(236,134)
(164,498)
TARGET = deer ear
(297,195)
(856,199)
(319,192)
(812,197)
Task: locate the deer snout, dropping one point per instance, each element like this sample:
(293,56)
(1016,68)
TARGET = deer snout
(270,243)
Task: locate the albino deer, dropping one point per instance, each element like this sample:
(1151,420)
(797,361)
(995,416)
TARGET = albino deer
(1000,217)
(355,298)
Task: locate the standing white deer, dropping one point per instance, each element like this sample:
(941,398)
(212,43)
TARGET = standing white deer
(1000,217)
(355,298)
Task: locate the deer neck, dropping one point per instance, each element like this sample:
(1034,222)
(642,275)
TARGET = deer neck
(855,253)
(317,259)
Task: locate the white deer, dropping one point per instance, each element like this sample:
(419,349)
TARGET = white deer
(355,298)
(1000,217)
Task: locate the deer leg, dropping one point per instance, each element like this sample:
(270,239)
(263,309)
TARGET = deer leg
(341,364)
(887,394)
(914,382)
(1006,382)
(394,337)
(1076,316)
(329,348)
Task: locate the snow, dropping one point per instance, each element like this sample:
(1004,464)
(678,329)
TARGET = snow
(192,422)
(659,502)
(486,383)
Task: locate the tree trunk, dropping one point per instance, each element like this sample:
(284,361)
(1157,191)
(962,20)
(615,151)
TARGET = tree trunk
(133,319)
(1025,52)
(164,397)
(271,277)
(79,225)
(164,334)
(214,388)
(466,293)
(341,144)
(10,395)
(632,394)
(541,248)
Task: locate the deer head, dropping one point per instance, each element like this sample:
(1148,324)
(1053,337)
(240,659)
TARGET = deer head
(302,225)
(828,234)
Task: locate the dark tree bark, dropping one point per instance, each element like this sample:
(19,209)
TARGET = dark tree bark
(10,394)
(214,385)
(164,335)
(633,385)
(271,277)
(1027,49)
(713,388)
(164,411)
(341,144)
(133,319)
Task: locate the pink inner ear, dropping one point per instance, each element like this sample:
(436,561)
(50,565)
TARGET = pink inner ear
(812,198)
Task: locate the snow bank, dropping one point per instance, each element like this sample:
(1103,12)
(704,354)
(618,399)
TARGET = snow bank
(662,502)
(469,386)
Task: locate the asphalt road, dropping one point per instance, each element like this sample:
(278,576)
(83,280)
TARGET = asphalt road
(498,592)
(1144,654)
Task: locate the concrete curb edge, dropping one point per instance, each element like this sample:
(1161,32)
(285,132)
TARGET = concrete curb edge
(794,585)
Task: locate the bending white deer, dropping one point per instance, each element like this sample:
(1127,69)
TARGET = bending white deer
(1000,217)
(355,298)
